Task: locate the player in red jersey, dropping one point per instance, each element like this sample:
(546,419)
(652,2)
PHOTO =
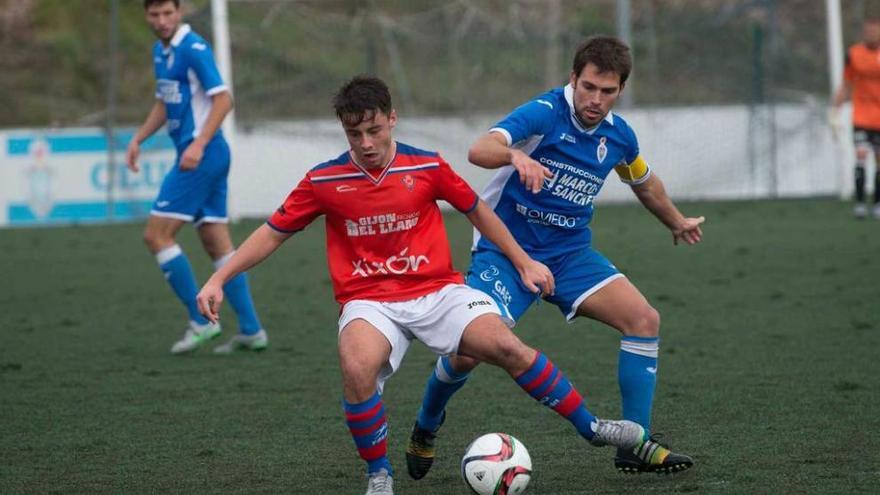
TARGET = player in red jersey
(392,273)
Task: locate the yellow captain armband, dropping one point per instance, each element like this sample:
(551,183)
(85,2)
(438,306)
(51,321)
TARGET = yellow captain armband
(635,173)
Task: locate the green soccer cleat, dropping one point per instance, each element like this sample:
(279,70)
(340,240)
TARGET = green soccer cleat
(195,336)
(256,342)
(651,457)
(420,450)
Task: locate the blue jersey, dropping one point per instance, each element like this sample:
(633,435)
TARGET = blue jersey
(556,220)
(186,78)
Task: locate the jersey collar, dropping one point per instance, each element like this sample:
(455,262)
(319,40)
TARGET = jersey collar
(366,172)
(569,98)
(182,31)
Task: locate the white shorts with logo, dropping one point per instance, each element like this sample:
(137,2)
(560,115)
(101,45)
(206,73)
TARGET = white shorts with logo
(437,319)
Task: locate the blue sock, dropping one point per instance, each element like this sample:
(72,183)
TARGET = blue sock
(239,295)
(178,272)
(548,385)
(444,382)
(369,428)
(637,375)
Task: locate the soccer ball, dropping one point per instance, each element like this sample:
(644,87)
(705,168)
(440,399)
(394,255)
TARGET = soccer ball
(496,464)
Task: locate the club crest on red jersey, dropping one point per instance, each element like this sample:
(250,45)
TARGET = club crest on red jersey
(408,181)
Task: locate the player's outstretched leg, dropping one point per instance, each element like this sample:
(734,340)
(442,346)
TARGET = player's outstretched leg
(252,336)
(442,384)
(488,339)
(178,272)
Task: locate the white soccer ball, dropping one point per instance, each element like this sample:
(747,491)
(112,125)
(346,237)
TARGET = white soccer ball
(496,464)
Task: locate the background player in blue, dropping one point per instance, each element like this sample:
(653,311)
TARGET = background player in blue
(554,153)
(193,100)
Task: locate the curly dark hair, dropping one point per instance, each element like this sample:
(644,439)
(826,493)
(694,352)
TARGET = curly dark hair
(360,96)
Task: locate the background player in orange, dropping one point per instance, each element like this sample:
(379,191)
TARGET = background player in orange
(861,83)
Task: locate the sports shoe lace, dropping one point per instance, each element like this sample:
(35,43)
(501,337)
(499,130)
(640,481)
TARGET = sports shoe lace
(379,482)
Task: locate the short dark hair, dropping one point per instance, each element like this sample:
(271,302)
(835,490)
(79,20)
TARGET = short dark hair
(607,53)
(150,3)
(360,96)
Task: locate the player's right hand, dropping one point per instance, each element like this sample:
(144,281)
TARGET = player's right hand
(209,300)
(531,173)
(537,278)
(834,122)
(131,155)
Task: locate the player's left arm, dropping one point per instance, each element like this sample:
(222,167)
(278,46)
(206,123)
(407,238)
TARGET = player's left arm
(202,62)
(536,276)
(221,104)
(652,194)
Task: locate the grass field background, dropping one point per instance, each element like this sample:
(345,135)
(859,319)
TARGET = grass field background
(769,374)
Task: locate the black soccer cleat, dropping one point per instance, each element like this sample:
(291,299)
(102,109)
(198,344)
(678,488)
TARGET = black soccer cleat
(420,450)
(651,457)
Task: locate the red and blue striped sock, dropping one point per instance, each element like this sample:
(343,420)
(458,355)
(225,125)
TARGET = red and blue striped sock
(369,428)
(548,385)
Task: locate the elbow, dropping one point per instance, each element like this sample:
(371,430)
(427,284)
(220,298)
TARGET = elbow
(474,155)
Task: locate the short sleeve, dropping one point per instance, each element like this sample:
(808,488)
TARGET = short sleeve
(535,117)
(299,209)
(632,145)
(201,61)
(451,188)
(633,169)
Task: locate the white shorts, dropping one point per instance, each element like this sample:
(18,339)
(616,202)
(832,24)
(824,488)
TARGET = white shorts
(437,319)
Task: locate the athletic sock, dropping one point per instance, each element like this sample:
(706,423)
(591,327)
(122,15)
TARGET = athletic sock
(369,428)
(860,182)
(876,187)
(442,384)
(238,293)
(548,385)
(637,376)
(179,274)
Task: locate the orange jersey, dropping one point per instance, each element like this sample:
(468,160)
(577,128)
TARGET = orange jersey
(862,72)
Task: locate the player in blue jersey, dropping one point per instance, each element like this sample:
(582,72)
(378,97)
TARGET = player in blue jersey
(553,154)
(192,101)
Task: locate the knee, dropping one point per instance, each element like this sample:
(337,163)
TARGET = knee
(463,364)
(153,240)
(644,323)
(359,378)
(513,355)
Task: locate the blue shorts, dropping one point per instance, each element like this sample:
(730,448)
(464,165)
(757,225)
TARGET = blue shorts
(578,275)
(196,195)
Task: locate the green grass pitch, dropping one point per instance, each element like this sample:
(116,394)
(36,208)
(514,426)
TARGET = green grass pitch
(768,371)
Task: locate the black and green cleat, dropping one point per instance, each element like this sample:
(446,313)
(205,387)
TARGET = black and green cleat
(420,450)
(651,457)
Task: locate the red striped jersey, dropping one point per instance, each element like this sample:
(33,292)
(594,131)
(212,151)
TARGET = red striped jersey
(385,235)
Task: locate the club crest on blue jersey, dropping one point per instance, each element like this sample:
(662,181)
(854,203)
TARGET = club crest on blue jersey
(601,150)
